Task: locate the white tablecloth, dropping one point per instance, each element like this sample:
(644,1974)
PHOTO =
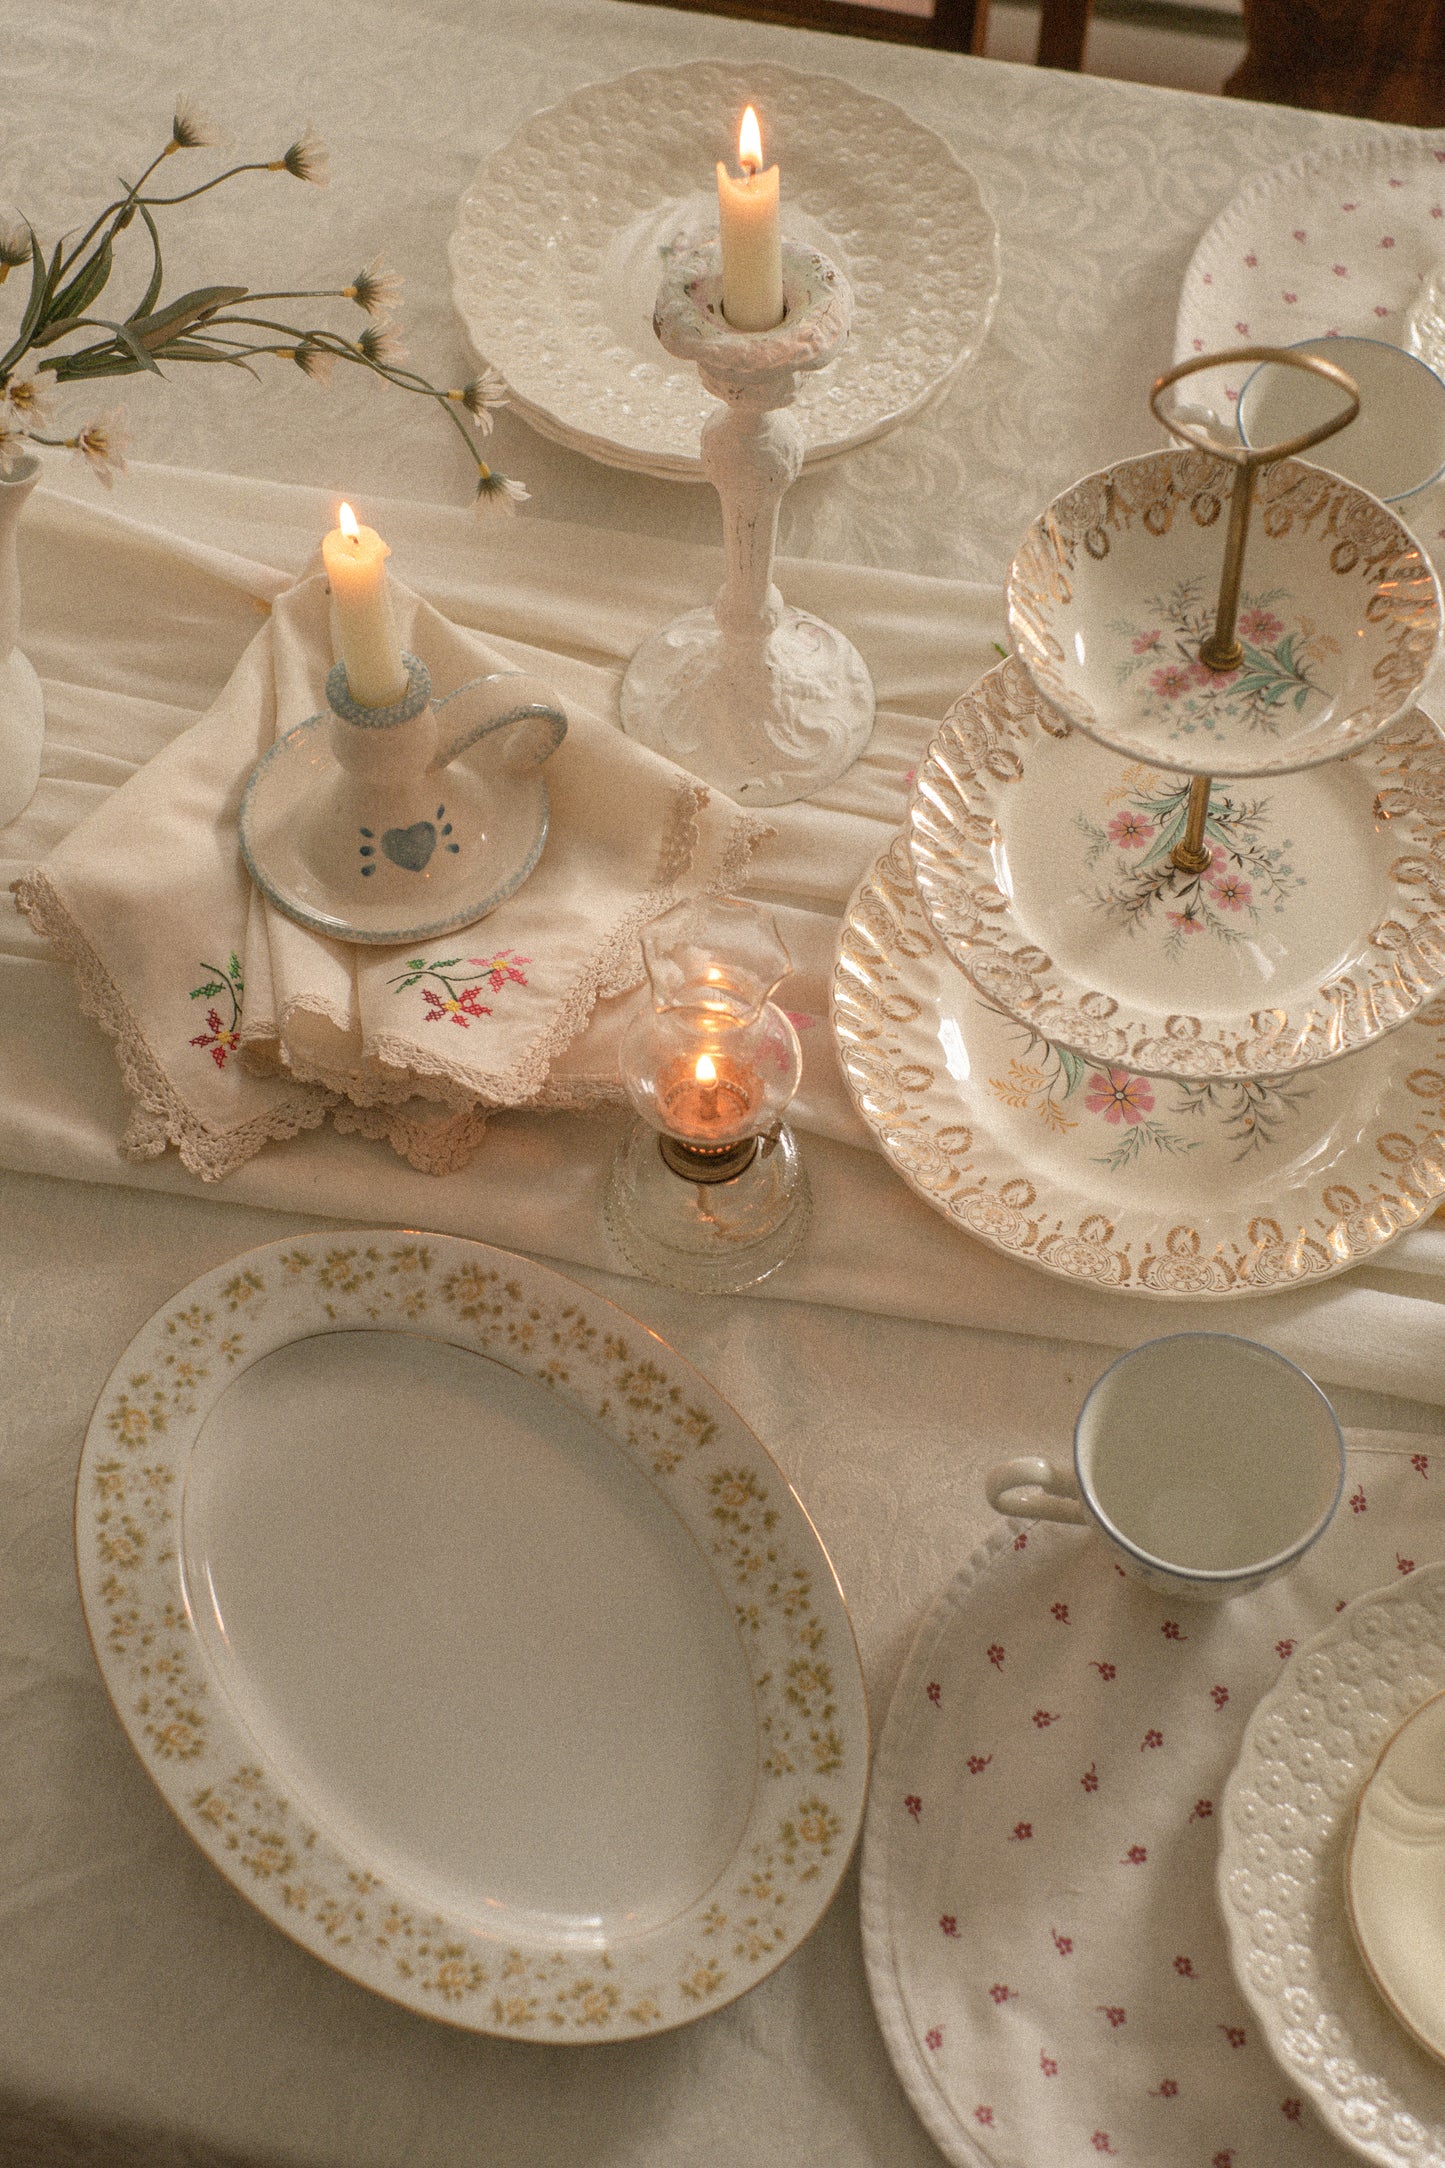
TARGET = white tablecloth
(149,2017)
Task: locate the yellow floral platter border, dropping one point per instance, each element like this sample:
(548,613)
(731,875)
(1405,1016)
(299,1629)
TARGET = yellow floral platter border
(1170,1187)
(778,1608)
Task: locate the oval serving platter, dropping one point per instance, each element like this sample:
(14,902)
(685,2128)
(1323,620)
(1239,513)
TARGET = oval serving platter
(471,1635)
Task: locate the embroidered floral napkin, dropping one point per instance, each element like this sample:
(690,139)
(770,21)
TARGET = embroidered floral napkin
(235,1026)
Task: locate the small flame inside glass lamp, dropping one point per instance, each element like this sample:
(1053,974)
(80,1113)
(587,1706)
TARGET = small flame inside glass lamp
(710,1193)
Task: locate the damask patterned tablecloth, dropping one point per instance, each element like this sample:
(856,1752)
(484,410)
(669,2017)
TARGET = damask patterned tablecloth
(149,2018)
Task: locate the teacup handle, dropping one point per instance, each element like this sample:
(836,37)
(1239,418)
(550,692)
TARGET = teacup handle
(1034,1490)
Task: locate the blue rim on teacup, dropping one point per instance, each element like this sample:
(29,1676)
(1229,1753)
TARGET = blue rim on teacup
(1330,343)
(1221,1579)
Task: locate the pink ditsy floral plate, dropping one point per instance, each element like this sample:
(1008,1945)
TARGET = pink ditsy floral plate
(1161,1186)
(1043,862)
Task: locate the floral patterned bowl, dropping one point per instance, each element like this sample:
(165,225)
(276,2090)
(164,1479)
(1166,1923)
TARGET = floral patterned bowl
(1114,587)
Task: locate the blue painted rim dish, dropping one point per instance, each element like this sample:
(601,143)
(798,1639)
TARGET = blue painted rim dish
(1351,338)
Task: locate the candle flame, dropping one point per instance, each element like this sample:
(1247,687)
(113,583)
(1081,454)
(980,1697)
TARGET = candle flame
(750,143)
(706,1070)
(346,520)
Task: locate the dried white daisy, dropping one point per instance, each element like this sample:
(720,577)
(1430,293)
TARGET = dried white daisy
(497,493)
(382,343)
(314,360)
(375,289)
(308,158)
(190,129)
(102,445)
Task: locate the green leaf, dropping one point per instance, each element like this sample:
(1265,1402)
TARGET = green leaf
(152,292)
(179,315)
(74,299)
(204,993)
(233,967)
(93,361)
(1073,1067)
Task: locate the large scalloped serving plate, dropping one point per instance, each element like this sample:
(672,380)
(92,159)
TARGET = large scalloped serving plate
(1310,1746)
(562,238)
(471,1635)
(1043,862)
(1115,585)
(1203,1190)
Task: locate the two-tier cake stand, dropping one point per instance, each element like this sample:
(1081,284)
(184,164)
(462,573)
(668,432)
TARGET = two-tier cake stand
(1123,1000)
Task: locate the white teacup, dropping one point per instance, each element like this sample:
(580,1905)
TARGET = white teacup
(1395,444)
(1209,1463)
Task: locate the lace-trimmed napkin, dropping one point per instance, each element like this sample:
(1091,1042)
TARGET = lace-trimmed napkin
(235,1026)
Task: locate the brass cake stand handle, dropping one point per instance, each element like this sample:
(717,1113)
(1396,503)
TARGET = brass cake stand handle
(1221,650)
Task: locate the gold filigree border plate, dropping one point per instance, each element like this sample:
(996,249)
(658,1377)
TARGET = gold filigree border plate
(1218,1189)
(1114,587)
(1044,865)
(471,1635)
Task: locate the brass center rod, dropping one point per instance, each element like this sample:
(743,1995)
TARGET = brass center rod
(1222,651)
(1191,854)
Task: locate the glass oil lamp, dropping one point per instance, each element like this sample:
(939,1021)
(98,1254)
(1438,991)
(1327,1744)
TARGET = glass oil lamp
(707,1192)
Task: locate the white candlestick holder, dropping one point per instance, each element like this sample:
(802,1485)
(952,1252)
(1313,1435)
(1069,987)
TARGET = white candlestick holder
(764,701)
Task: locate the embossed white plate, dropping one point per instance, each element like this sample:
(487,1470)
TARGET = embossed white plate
(1114,586)
(1163,1187)
(471,1635)
(1310,1745)
(1395,1874)
(1043,862)
(561,239)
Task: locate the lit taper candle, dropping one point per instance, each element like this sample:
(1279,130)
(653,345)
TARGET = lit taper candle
(752,256)
(355,559)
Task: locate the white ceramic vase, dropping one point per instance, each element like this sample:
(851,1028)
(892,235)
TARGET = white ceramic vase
(22,705)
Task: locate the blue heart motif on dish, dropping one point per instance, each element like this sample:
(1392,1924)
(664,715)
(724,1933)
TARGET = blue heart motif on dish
(410,848)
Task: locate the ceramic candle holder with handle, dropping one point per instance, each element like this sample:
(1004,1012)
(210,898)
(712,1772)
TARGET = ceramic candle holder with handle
(402,823)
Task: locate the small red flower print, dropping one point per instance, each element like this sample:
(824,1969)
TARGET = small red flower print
(1043,1718)
(1113,2013)
(1021,1542)
(1060,1611)
(1145,643)
(1387,240)
(1021,1832)
(1284,1650)
(977,1763)
(1173,1631)
(1299,233)
(933,2038)
(1201,1810)
(1341,1604)
(1048,2064)
(1105,1671)
(1090,1778)
(464,1009)
(949,1924)
(1420,1462)
(1185,922)
(222,1037)
(1292,2110)
(1341,271)
(914,1805)
(1394,183)
(935,1692)
(503,969)
(1231,892)
(1234,2034)
(1243,330)
(1130,830)
(1119,1097)
(1001,1994)
(1252,260)
(1166,2089)
(1151,1738)
(1405,1565)
(1380,309)
(1171,682)
(995,1654)
(1101,2142)
(221,1040)
(1219,1695)
(1199,346)
(983,2115)
(1135,1856)
(1184,1966)
(1291,298)
(1062,1943)
(1222,2160)
(1358,1502)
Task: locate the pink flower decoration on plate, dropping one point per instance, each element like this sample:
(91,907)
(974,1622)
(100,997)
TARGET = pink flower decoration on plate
(1251,261)
(1230,892)
(1243,330)
(1291,297)
(1131,831)
(1299,233)
(1119,1097)
(1172,681)
(1260,626)
(1380,309)
(1387,240)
